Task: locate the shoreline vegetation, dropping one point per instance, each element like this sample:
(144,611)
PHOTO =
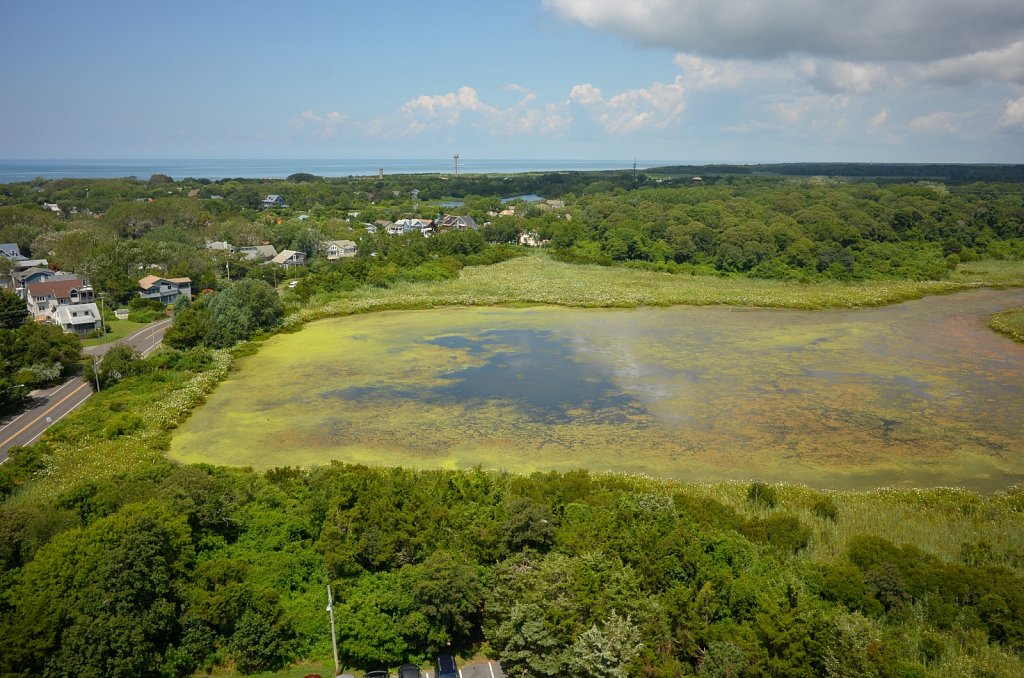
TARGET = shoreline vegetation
(538,280)
(1010,323)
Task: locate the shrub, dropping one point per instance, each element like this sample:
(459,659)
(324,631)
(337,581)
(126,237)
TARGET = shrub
(825,508)
(122,424)
(762,494)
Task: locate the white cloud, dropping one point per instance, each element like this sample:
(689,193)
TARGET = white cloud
(940,122)
(585,94)
(1013,114)
(1004,64)
(323,126)
(878,121)
(791,112)
(705,73)
(451,105)
(430,111)
(656,106)
(868,30)
(842,77)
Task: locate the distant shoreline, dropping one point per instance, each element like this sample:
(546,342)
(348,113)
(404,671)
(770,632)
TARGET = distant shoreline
(13,171)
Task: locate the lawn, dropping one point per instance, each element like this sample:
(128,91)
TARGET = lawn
(119,329)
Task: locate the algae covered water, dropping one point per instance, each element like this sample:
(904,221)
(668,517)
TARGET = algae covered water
(916,394)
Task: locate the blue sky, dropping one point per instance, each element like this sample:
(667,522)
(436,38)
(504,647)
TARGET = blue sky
(666,80)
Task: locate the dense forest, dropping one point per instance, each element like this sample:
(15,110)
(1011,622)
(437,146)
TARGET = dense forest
(116,562)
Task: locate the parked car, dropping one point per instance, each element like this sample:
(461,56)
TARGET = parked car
(377,674)
(409,671)
(446,668)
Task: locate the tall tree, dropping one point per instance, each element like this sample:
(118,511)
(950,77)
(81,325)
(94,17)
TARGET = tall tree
(13,311)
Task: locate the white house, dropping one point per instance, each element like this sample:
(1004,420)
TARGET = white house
(340,249)
(424,226)
(220,246)
(78,318)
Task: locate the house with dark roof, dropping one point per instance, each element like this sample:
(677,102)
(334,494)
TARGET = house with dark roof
(44,298)
(164,290)
(455,222)
(20,280)
(272,201)
(258,252)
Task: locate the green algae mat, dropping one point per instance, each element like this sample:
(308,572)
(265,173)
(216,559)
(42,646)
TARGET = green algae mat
(916,394)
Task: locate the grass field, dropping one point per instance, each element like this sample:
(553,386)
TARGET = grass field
(536,279)
(119,329)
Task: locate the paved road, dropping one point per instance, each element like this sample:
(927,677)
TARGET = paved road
(51,405)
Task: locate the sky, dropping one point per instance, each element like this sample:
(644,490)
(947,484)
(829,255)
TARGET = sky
(684,81)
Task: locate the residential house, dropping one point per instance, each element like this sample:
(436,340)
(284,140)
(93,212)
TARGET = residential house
(455,222)
(531,239)
(24,264)
(165,290)
(258,252)
(220,246)
(44,298)
(340,249)
(10,250)
(22,279)
(424,226)
(78,318)
(272,201)
(52,206)
(290,258)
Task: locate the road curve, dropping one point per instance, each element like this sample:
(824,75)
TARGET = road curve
(51,405)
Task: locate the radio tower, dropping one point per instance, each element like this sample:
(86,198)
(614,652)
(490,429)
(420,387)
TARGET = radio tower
(456,158)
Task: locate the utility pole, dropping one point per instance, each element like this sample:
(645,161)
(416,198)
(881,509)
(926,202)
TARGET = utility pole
(334,638)
(96,373)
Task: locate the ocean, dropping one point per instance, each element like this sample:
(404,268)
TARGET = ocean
(26,170)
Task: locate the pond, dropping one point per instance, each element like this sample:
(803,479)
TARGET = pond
(916,394)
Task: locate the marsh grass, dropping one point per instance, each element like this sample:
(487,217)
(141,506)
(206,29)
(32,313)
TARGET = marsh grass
(1010,323)
(81,447)
(536,279)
